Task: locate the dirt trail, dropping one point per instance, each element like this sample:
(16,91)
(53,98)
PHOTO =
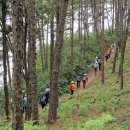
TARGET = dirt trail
(91,75)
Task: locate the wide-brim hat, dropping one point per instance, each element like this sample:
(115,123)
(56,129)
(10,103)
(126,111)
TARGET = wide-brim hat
(72,82)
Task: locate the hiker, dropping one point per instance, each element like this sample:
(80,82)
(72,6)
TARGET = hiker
(128,35)
(43,101)
(99,64)
(72,87)
(78,80)
(95,67)
(85,78)
(109,53)
(25,104)
(106,56)
(47,92)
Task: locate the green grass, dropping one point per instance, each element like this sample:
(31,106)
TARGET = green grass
(97,124)
(28,126)
(98,107)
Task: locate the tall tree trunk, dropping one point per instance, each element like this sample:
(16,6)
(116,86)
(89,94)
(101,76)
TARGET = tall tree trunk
(113,15)
(32,59)
(96,7)
(81,26)
(25,54)
(117,35)
(46,58)
(72,38)
(102,44)
(51,46)
(43,37)
(9,73)
(41,46)
(79,22)
(86,27)
(5,58)
(123,43)
(18,38)
(53,104)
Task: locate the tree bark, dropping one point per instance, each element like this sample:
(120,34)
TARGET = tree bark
(53,104)
(18,38)
(72,40)
(102,44)
(41,46)
(51,46)
(33,98)
(5,58)
(117,35)
(123,43)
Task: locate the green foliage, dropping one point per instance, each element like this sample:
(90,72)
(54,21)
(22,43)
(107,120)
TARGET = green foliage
(70,124)
(98,123)
(2,123)
(80,64)
(104,99)
(67,108)
(28,126)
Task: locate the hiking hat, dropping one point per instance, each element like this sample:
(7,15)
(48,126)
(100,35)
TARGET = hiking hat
(72,82)
(47,89)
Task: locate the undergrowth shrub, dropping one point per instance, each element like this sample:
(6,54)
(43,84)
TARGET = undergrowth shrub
(97,124)
(28,126)
(67,108)
(103,99)
(70,123)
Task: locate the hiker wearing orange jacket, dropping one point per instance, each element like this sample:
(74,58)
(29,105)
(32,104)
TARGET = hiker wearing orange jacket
(72,87)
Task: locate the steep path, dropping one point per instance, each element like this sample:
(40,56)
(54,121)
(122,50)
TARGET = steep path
(91,75)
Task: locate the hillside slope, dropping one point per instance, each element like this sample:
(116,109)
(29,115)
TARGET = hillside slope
(98,107)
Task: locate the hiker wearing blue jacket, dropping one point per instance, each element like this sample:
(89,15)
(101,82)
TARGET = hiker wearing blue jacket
(78,80)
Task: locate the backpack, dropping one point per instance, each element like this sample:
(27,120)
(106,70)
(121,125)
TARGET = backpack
(96,65)
(43,100)
(84,78)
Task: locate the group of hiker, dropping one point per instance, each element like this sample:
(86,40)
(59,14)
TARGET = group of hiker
(96,65)
(97,60)
(44,99)
(79,78)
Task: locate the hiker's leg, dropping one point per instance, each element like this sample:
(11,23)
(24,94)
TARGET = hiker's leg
(106,57)
(99,67)
(84,83)
(77,84)
(43,106)
(72,92)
